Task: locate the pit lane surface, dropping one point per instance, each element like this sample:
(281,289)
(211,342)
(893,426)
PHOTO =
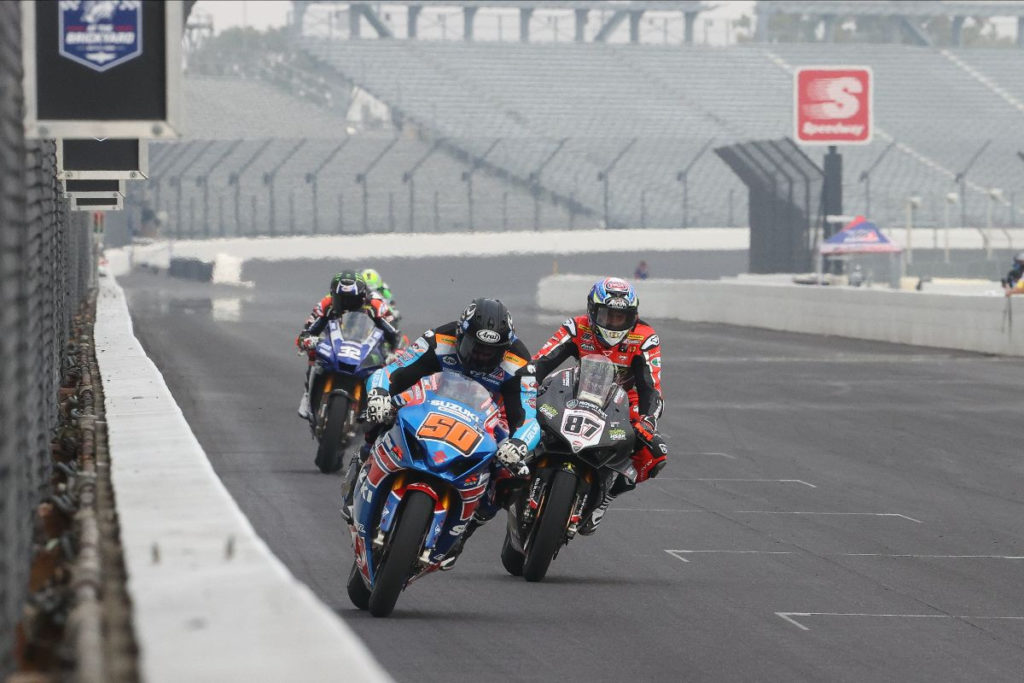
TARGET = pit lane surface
(837,510)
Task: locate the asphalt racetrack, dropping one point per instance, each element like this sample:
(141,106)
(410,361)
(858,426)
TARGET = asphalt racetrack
(833,510)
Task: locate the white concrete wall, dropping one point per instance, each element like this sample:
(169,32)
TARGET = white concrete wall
(210,602)
(967,322)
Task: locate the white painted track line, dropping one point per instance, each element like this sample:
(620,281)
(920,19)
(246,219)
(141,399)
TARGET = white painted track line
(678,554)
(733,479)
(788,616)
(802,512)
(773,512)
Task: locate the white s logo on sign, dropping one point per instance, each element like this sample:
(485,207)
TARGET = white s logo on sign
(836,98)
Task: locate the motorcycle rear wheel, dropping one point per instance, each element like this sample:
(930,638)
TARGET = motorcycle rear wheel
(511,558)
(550,525)
(358,593)
(331,450)
(403,548)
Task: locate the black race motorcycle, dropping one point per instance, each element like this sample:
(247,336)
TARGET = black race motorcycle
(586,444)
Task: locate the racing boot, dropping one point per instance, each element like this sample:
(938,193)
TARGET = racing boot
(449,561)
(304,405)
(589,525)
(348,487)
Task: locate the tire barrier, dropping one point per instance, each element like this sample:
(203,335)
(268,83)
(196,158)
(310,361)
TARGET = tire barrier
(191,269)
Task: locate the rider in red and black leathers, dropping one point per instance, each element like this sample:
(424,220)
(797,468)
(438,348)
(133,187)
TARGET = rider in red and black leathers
(611,328)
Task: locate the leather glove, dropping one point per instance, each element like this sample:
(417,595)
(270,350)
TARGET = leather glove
(646,429)
(511,453)
(307,342)
(379,407)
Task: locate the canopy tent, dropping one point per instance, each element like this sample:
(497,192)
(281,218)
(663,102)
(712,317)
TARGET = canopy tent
(860,236)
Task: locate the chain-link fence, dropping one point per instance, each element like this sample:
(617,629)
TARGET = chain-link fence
(45,265)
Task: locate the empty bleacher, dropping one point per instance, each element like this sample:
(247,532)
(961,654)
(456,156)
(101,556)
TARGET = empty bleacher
(674,99)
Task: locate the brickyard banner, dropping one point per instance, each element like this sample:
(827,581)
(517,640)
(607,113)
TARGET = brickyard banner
(102,68)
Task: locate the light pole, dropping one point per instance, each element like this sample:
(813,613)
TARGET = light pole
(603,175)
(268,180)
(994,195)
(865,177)
(684,177)
(912,204)
(467,177)
(410,178)
(204,182)
(362,177)
(535,181)
(951,199)
(961,179)
(313,180)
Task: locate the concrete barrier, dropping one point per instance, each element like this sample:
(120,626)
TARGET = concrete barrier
(950,321)
(210,602)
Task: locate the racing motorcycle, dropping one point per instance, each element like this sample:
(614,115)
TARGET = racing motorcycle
(347,353)
(586,443)
(419,488)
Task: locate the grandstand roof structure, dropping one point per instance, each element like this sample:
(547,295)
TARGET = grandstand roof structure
(621,11)
(903,14)
(914,8)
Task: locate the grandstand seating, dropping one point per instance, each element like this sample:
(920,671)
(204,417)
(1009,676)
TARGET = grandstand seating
(571,110)
(675,98)
(230,119)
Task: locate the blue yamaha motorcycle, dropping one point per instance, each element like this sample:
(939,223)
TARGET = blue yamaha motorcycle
(418,490)
(348,352)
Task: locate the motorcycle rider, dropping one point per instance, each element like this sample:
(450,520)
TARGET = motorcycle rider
(376,284)
(1014,280)
(481,345)
(611,328)
(348,292)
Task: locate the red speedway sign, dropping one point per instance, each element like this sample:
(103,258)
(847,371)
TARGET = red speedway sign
(833,105)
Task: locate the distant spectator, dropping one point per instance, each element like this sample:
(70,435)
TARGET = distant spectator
(641,271)
(1013,283)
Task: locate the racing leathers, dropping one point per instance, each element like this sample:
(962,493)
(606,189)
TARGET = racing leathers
(511,383)
(1014,280)
(375,307)
(638,370)
(322,313)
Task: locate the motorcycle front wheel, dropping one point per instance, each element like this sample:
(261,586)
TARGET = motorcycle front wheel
(511,559)
(331,449)
(358,593)
(403,548)
(550,525)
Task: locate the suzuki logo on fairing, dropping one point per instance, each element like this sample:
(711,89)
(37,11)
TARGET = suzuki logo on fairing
(488,336)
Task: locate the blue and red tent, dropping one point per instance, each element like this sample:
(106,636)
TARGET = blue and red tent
(861,236)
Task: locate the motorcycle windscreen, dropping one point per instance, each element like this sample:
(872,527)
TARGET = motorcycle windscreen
(450,424)
(597,379)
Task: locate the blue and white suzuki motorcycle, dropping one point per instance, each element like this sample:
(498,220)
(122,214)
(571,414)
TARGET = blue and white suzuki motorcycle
(348,352)
(420,486)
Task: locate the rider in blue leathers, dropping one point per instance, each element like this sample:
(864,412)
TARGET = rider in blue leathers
(482,346)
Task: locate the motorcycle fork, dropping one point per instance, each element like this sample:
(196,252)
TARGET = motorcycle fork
(533,499)
(582,495)
(325,398)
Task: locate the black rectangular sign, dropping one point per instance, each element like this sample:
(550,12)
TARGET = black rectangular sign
(102,69)
(97,203)
(79,186)
(102,159)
